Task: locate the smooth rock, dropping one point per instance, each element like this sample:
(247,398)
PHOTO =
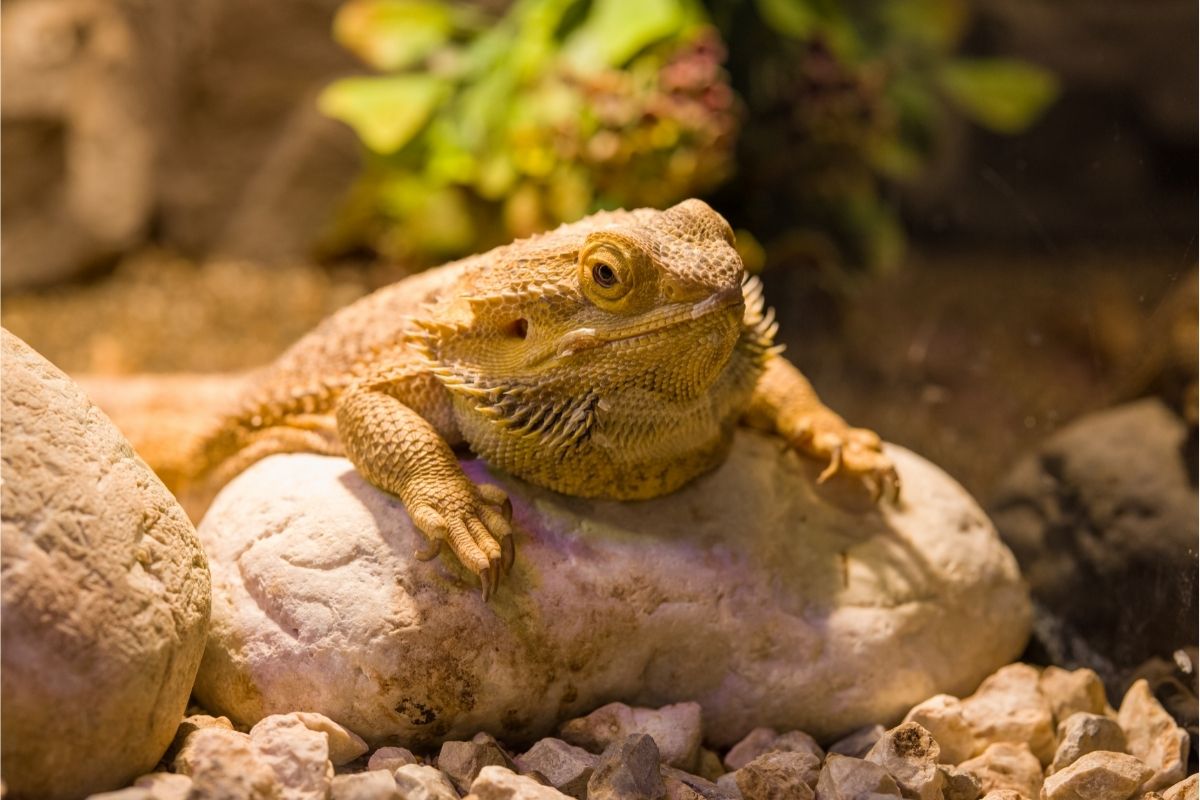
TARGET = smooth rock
(225,764)
(858,743)
(1072,691)
(298,755)
(501,783)
(1008,707)
(417,782)
(727,783)
(960,784)
(1005,765)
(676,730)
(1186,789)
(1152,735)
(344,745)
(566,767)
(462,761)
(821,611)
(1102,513)
(371,785)
(779,776)
(910,754)
(390,758)
(848,778)
(1080,734)
(1097,776)
(628,770)
(942,715)
(104,589)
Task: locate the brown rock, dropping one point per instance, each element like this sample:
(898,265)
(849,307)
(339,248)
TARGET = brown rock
(1097,776)
(1152,735)
(779,776)
(752,745)
(1072,691)
(709,765)
(462,761)
(1005,794)
(105,592)
(1005,765)
(676,730)
(942,715)
(1083,733)
(1007,707)
(564,766)
(910,755)
(848,778)
(628,770)
(960,784)
(709,790)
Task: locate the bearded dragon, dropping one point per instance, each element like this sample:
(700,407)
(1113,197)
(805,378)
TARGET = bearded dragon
(610,358)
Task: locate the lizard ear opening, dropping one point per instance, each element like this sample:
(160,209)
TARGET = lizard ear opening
(518,328)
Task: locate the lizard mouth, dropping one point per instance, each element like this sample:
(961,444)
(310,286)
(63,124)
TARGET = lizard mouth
(589,338)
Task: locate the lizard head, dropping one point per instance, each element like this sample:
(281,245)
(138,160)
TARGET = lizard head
(645,296)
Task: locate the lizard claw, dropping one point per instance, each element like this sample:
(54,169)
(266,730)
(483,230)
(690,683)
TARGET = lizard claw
(855,452)
(835,463)
(471,520)
(429,552)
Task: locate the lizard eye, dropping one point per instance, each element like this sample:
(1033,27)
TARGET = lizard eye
(603,275)
(606,272)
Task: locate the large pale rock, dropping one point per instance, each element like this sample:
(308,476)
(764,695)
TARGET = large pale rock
(765,598)
(1100,775)
(1152,736)
(1008,707)
(105,593)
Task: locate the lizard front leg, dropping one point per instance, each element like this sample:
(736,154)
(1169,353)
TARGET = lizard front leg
(401,451)
(785,403)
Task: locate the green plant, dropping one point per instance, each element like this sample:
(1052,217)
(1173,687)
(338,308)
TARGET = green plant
(479,130)
(846,100)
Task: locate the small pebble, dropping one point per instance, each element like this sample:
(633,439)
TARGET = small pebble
(1186,789)
(1005,765)
(676,730)
(462,761)
(501,783)
(372,785)
(960,784)
(391,758)
(1097,776)
(1072,691)
(779,776)
(858,743)
(942,716)
(564,766)
(1008,707)
(1082,733)
(848,778)
(1152,735)
(628,770)
(417,782)
(910,755)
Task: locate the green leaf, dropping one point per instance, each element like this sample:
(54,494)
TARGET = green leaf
(386,112)
(1002,95)
(392,34)
(938,24)
(617,30)
(796,18)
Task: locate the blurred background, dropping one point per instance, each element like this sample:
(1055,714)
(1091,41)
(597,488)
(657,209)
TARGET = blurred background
(976,218)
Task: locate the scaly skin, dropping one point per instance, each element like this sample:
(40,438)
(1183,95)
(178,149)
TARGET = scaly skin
(612,357)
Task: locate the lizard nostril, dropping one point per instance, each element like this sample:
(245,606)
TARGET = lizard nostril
(519,328)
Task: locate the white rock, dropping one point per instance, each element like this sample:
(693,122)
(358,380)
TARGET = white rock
(1008,707)
(225,764)
(847,778)
(780,774)
(942,716)
(371,785)
(1152,735)
(1005,765)
(820,611)
(298,755)
(344,745)
(105,593)
(500,783)
(165,785)
(424,783)
(676,729)
(1097,776)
